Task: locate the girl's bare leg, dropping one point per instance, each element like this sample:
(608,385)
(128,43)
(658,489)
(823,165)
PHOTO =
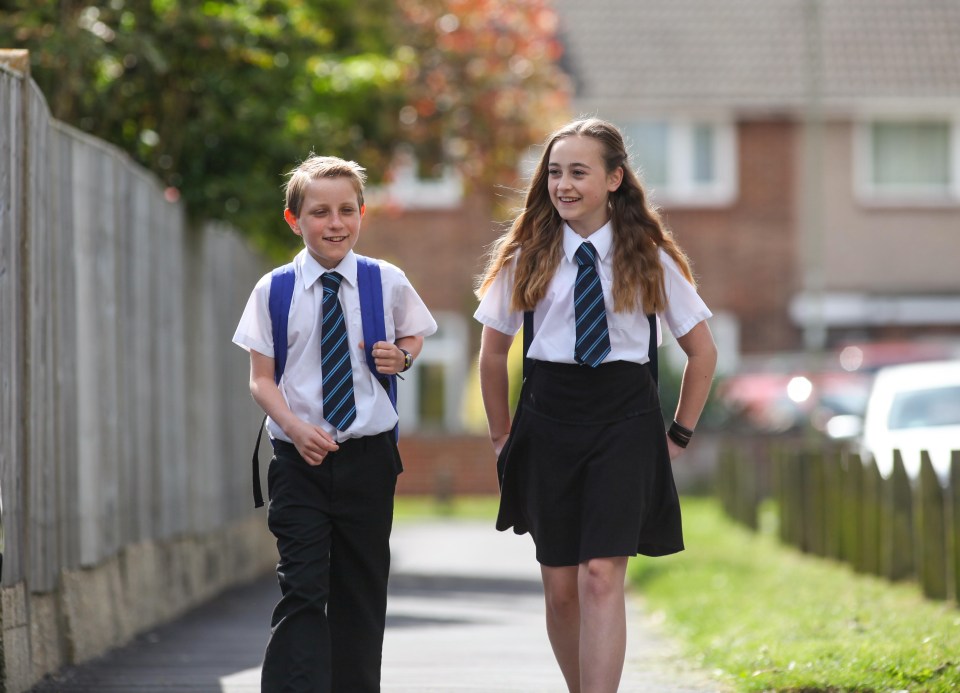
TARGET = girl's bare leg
(561,594)
(603,624)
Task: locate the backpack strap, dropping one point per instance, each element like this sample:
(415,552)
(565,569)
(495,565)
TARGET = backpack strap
(651,351)
(370,288)
(281,294)
(527,339)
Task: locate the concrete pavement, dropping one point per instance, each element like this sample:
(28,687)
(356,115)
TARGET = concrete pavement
(465,615)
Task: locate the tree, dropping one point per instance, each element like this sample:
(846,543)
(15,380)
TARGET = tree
(219,98)
(487,83)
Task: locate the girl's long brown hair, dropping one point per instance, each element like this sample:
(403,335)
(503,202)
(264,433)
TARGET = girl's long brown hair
(638,233)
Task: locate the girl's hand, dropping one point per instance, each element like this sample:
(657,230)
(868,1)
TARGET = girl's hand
(675,450)
(312,442)
(388,358)
(499,442)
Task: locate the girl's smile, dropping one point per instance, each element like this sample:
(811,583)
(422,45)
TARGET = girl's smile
(579,184)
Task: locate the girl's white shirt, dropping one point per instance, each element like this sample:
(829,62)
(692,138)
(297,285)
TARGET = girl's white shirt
(553,318)
(405,315)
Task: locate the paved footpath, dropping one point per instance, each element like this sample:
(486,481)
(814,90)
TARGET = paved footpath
(465,615)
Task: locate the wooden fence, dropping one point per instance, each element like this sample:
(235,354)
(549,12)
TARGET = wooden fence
(830,503)
(124,413)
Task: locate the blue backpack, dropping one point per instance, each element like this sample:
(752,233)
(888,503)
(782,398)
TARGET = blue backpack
(374,330)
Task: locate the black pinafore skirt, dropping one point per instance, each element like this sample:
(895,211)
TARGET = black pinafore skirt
(586,470)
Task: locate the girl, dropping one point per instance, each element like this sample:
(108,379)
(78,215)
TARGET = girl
(585,464)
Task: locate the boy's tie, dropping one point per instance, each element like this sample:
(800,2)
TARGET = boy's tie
(593,339)
(339,407)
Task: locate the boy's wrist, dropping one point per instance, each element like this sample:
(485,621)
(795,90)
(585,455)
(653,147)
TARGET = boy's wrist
(407,360)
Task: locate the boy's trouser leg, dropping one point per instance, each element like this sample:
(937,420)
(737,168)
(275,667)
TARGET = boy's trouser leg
(297,658)
(365,477)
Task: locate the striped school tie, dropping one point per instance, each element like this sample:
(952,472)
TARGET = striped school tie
(339,407)
(593,339)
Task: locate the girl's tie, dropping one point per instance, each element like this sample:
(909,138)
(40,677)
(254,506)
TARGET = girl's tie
(593,339)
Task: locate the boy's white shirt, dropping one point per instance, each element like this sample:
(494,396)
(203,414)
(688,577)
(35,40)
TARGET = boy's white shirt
(553,319)
(405,315)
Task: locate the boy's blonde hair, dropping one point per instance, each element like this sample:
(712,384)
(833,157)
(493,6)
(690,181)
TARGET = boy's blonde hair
(315,167)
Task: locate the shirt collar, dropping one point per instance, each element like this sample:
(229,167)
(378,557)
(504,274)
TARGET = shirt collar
(601,240)
(310,269)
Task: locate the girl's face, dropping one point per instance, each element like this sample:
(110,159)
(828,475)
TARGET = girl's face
(329,220)
(579,184)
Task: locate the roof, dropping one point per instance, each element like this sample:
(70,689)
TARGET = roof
(652,54)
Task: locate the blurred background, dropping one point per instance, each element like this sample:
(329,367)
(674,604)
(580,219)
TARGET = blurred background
(805,154)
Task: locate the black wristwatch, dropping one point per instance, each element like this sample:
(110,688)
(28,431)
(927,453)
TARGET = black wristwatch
(407,360)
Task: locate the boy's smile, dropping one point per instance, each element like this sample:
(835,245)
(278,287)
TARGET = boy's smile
(329,219)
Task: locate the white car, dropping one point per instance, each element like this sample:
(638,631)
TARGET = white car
(914,407)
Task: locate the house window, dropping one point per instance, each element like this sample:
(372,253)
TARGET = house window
(903,161)
(685,162)
(430,398)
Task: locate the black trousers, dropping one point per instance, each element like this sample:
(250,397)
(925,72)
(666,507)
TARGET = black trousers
(332,523)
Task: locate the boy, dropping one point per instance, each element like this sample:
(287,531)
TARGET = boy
(332,478)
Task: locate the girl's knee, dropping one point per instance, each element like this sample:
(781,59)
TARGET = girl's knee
(561,596)
(601,577)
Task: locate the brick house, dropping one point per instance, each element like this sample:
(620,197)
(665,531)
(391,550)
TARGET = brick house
(806,153)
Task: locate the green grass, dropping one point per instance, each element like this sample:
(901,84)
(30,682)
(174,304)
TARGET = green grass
(407,508)
(772,619)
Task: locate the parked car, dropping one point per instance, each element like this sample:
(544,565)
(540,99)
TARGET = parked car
(911,408)
(789,392)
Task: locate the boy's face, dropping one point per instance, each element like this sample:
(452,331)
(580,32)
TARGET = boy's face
(329,220)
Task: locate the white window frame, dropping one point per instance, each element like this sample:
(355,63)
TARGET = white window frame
(681,190)
(871,194)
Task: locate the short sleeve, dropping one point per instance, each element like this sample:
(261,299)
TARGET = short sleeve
(685,309)
(411,317)
(494,309)
(255,331)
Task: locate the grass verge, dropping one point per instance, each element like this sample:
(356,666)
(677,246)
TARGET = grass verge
(773,619)
(407,508)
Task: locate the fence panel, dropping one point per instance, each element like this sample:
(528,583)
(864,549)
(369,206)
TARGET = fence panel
(931,532)
(834,504)
(12,520)
(896,519)
(122,414)
(40,383)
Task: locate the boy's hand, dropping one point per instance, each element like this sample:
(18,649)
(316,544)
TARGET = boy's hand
(388,358)
(312,442)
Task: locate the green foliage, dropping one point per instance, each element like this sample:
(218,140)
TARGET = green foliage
(219,98)
(773,619)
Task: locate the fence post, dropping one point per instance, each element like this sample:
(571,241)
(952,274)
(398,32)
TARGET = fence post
(816,502)
(791,498)
(723,478)
(745,479)
(930,532)
(851,543)
(833,504)
(870,522)
(897,523)
(954,526)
